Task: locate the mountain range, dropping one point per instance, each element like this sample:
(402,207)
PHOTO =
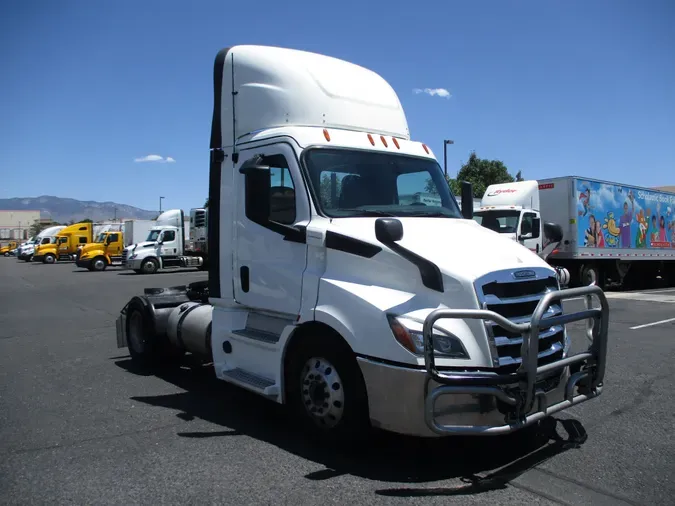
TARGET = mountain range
(63,210)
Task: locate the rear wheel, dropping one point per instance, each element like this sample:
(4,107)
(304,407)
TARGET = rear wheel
(326,391)
(145,346)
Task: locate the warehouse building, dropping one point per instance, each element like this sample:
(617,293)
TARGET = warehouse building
(15,225)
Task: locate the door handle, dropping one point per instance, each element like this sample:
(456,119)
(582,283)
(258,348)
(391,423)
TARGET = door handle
(244,278)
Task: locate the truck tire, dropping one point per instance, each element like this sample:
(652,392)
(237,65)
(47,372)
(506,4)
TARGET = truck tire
(590,274)
(146,348)
(150,266)
(326,391)
(49,259)
(99,264)
(6,253)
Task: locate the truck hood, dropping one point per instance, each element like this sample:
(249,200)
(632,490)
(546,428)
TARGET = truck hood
(140,245)
(460,248)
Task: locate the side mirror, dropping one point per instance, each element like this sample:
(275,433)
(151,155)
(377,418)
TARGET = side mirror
(522,237)
(257,190)
(388,230)
(553,232)
(467,200)
(536,227)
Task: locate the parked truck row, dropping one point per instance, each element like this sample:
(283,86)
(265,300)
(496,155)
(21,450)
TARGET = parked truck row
(336,289)
(144,246)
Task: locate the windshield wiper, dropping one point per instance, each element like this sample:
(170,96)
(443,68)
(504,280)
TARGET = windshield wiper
(368,212)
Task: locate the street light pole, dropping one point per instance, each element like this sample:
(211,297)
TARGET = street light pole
(160,205)
(445,155)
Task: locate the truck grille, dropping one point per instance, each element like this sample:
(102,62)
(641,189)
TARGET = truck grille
(125,253)
(516,300)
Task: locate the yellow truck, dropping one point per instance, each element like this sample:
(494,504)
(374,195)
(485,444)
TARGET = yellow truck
(4,251)
(105,251)
(65,245)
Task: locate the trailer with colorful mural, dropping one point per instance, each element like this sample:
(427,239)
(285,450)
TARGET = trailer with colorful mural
(610,232)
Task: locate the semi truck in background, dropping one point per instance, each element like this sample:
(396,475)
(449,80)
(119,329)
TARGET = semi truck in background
(600,232)
(65,245)
(11,246)
(107,249)
(167,245)
(46,236)
(325,292)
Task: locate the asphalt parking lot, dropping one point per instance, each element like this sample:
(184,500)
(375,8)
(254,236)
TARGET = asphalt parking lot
(78,424)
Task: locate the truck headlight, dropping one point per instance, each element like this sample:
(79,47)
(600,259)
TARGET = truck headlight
(408,333)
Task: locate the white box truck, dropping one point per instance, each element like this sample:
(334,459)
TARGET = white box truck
(136,231)
(328,294)
(605,231)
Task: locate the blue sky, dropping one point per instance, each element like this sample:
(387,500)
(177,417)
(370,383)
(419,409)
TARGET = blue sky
(549,87)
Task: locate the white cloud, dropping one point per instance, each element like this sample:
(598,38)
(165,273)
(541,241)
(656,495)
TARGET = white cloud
(439,92)
(155,158)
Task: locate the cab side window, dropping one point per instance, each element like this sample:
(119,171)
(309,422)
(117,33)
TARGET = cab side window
(168,235)
(113,238)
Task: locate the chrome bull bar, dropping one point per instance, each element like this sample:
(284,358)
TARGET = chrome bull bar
(589,365)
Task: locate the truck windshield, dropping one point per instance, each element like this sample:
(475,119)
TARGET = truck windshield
(502,221)
(351,183)
(101,237)
(153,235)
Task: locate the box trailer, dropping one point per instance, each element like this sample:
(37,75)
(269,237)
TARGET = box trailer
(610,232)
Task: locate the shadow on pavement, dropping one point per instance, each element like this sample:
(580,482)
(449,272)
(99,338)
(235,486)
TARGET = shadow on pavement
(385,457)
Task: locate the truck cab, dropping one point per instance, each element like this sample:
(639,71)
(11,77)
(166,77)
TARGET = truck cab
(65,246)
(105,251)
(4,251)
(512,209)
(337,291)
(45,236)
(164,247)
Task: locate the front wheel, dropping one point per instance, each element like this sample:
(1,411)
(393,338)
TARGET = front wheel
(99,264)
(326,390)
(150,266)
(49,259)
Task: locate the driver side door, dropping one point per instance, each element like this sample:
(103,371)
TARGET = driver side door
(270,250)
(527,226)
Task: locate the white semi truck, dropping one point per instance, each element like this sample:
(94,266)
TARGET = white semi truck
(167,245)
(598,231)
(327,294)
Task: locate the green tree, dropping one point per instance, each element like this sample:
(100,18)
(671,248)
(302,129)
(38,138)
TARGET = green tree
(481,173)
(519,176)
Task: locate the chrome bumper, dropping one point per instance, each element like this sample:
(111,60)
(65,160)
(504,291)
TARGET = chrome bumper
(520,396)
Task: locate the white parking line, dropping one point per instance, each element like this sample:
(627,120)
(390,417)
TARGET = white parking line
(653,323)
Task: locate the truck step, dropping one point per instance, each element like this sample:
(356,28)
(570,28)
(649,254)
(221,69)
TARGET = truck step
(266,386)
(257,335)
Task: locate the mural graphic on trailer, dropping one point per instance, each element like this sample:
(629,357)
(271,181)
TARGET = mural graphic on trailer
(613,216)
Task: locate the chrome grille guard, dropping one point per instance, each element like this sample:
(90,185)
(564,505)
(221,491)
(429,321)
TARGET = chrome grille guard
(589,365)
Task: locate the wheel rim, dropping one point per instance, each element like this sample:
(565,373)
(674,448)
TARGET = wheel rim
(149,267)
(322,392)
(49,259)
(136,331)
(591,277)
(99,265)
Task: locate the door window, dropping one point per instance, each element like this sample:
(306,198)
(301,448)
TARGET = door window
(168,235)
(526,226)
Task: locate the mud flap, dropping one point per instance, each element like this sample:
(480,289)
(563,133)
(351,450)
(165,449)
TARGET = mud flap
(121,326)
